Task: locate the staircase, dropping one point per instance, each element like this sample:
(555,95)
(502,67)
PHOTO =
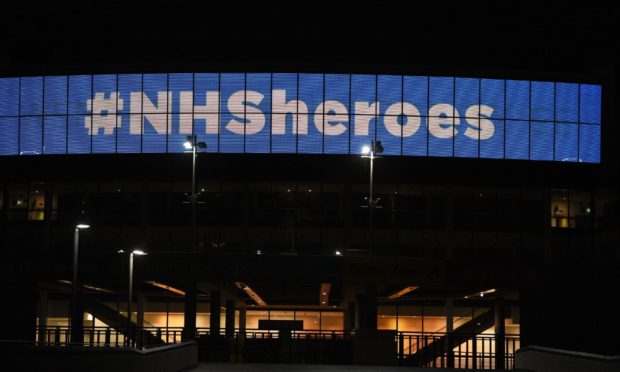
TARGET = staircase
(439,346)
(120,322)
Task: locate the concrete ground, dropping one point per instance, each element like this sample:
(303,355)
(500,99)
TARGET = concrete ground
(229,367)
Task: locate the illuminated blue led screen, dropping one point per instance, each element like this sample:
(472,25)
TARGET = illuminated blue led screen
(292,113)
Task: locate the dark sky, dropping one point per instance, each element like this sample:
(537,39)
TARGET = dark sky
(505,37)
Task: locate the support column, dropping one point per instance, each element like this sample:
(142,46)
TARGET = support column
(230,319)
(216,299)
(370,345)
(450,342)
(500,333)
(366,311)
(189,325)
(18,323)
(42,313)
(140,320)
(242,321)
(349,317)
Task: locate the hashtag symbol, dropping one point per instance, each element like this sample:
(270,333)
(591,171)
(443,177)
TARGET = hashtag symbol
(104,113)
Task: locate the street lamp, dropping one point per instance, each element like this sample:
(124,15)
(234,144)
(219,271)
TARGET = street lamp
(77,332)
(136,252)
(191,143)
(371,153)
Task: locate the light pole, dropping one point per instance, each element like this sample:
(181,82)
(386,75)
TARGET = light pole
(137,252)
(76,322)
(371,153)
(191,143)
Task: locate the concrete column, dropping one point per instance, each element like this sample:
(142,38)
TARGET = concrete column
(230,319)
(140,320)
(216,299)
(18,324)
(42,313)
(189,325)
(366,310)
(500,333)
(242,321)
(349,317)
(449,331)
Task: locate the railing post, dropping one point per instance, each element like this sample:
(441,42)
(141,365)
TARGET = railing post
(449,351)
(107,337)
(57,337)
(474,353)
(401,347)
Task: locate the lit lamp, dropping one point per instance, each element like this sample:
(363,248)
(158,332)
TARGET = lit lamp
(77,332)
(136,252)
(191,143)
(371,153)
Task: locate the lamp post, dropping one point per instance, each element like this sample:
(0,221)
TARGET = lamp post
(191,143)
(77,333)
(371,153)
(137,252)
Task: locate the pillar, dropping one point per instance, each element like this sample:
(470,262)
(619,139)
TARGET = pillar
(230,319)
(140,320)
(19,324)
(216,299)
(189,314)
(349,317)
(366,310)
(500,333)
(42,314)
(242,321)
(450,341)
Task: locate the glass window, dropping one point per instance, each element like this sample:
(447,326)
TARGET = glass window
(18,202)
(559,208)
(36,203)
(332,321)
(580,209)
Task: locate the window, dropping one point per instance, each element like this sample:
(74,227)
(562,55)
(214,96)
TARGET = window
(571,209)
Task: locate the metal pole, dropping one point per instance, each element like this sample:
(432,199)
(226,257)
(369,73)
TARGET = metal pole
(74,306)
(194,191)
(129,338)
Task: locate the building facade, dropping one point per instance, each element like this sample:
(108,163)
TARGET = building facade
(487,222)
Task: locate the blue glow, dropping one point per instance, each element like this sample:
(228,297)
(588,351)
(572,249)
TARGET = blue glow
(287,113)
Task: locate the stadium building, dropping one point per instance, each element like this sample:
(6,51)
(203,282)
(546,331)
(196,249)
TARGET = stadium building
(341,213)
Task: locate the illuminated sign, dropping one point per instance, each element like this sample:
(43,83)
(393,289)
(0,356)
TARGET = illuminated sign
(284,113)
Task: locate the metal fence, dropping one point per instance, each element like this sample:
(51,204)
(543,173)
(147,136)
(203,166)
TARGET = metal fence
(431,350)
(455,350)
(110,337)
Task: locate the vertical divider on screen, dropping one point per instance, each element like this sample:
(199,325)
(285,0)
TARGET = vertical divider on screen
(555,121)
(245,114)
(505,119)
(351,115)
(402,118)
(271,113)
(118,97)
(529,122)
(579,123)
(454,116)
(169,111)
(141,113)
(92,102)
(297,117)
(428,111)
(43,117)
(19,118)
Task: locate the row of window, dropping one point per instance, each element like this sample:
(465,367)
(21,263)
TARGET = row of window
(314,205)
